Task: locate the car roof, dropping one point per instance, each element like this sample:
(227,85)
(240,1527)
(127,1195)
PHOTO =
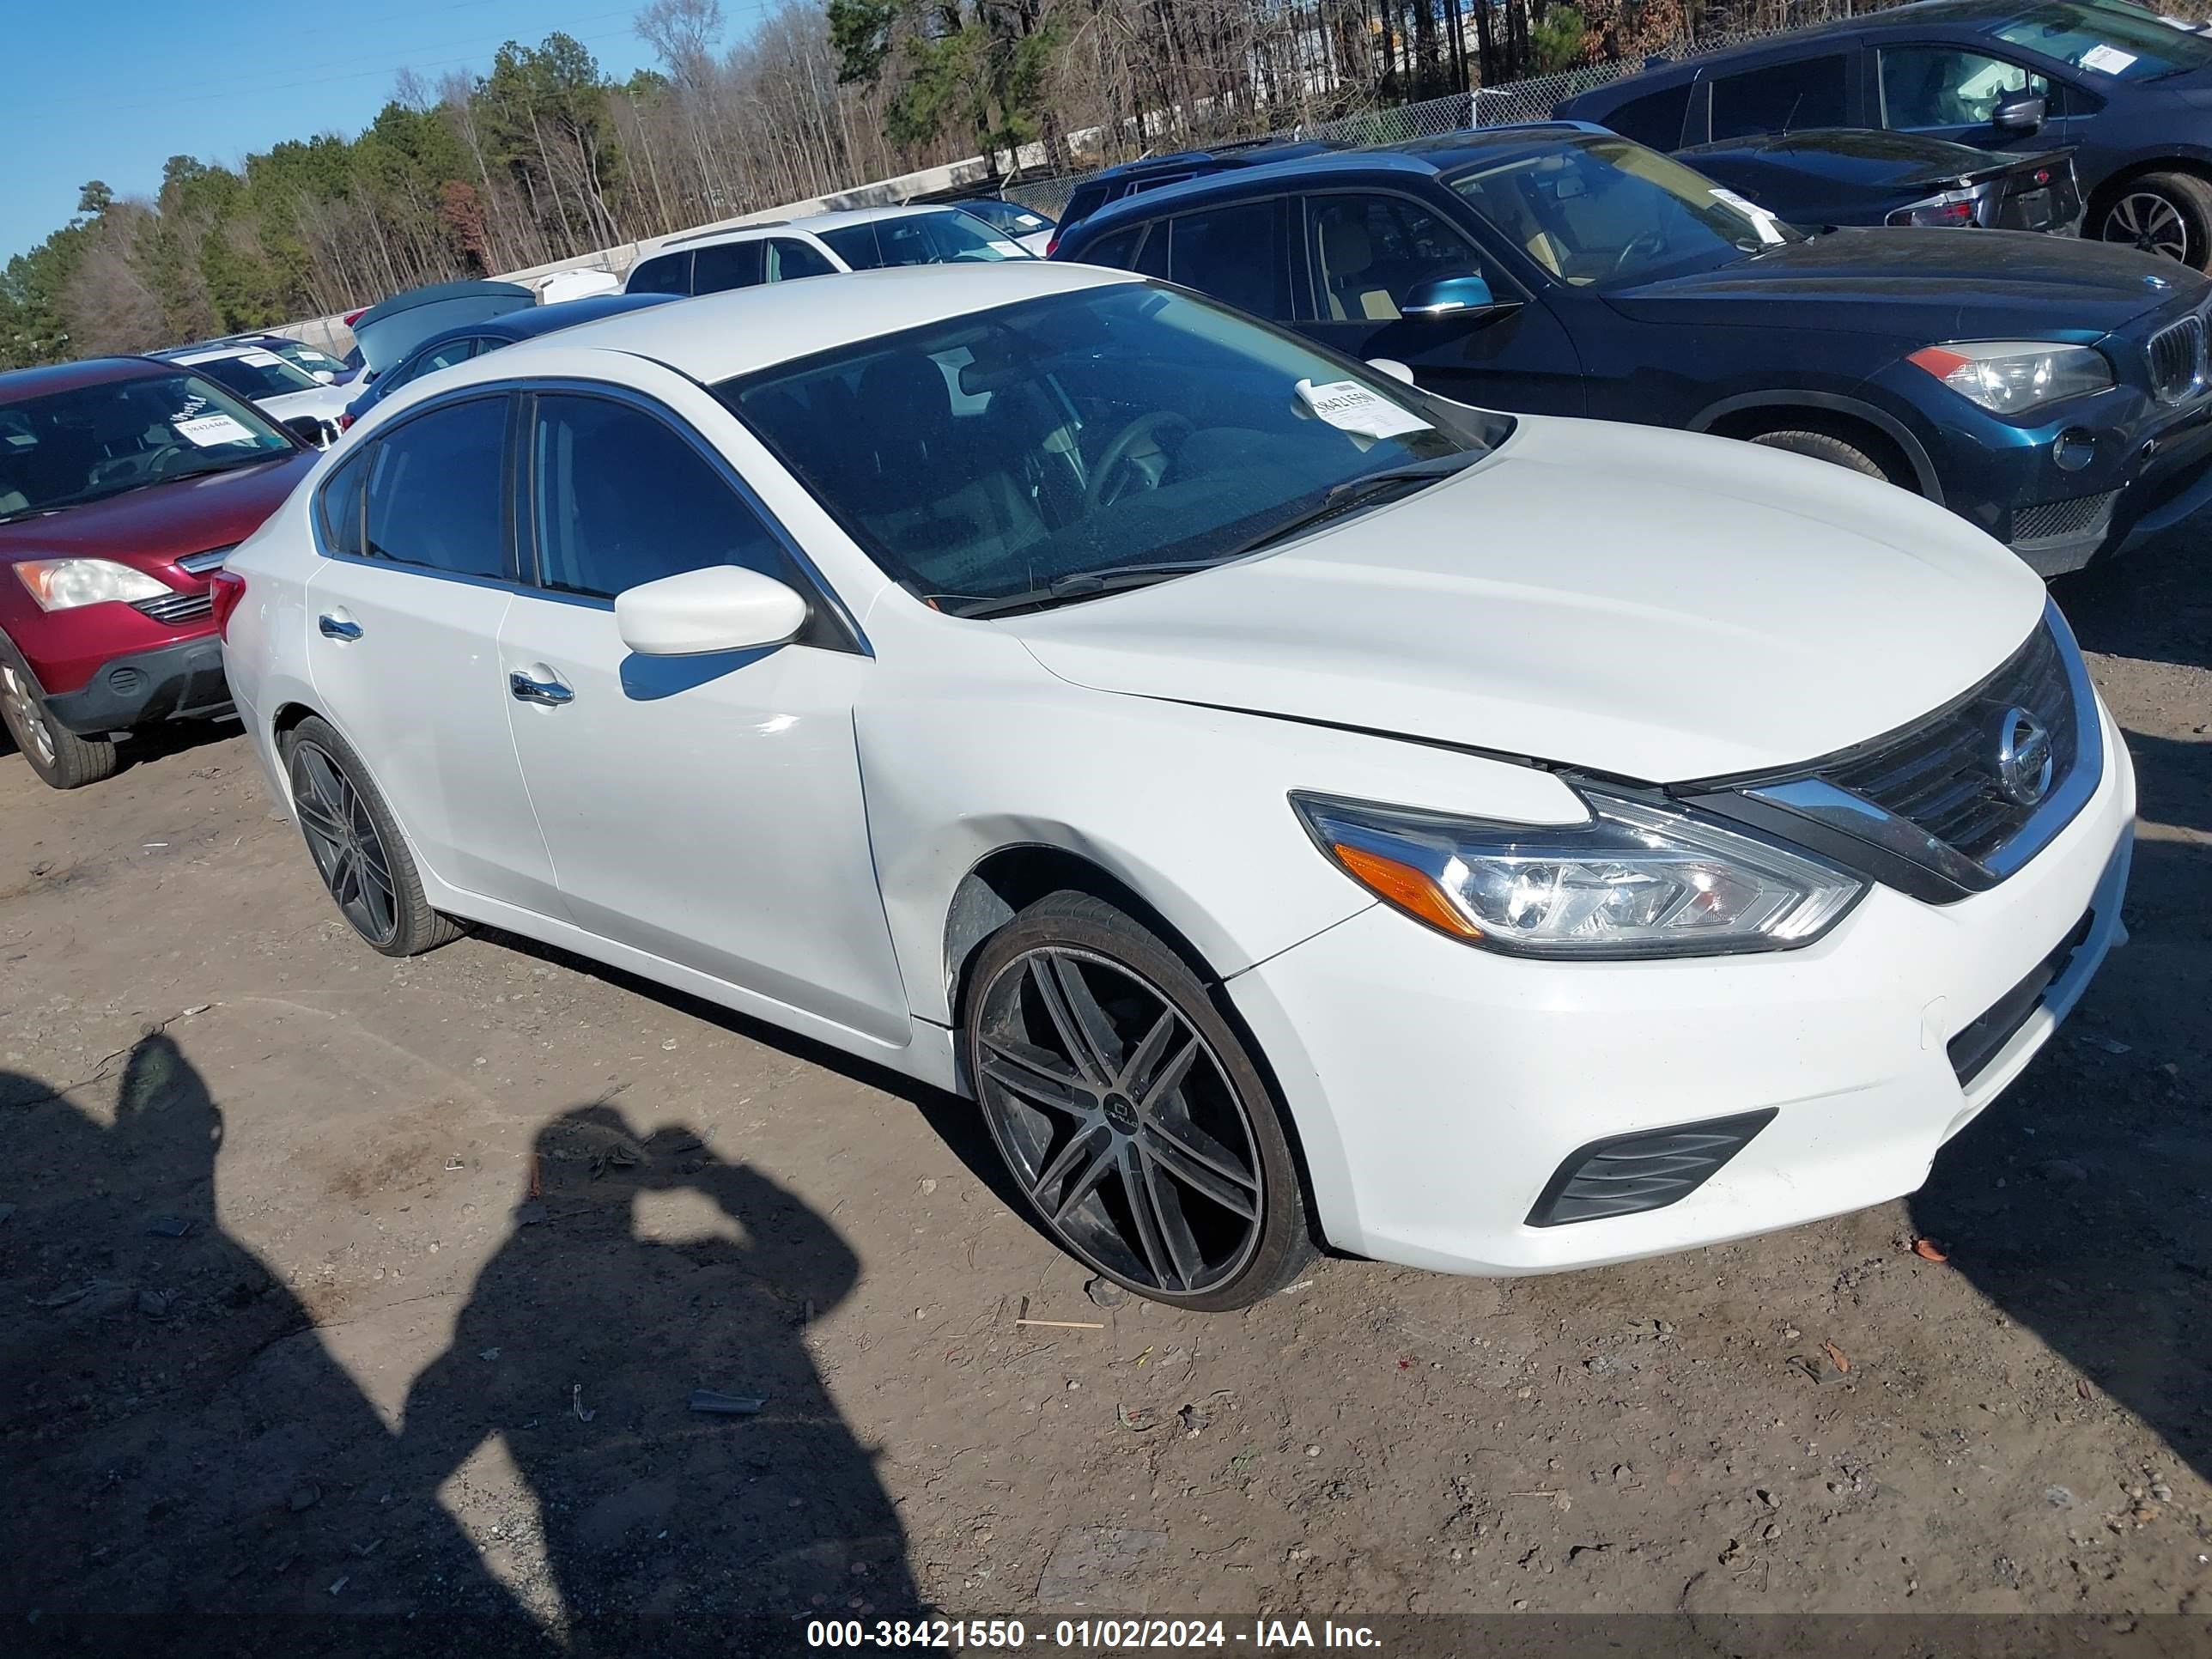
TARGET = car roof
(738,331)
(562,313)
(1926,14)
(19,383)
(1420,158)
(817,223)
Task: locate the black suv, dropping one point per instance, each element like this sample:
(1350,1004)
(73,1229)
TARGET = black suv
(2056,393)
(2130,92)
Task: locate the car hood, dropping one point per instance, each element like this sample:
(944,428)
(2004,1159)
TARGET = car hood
(1654,605)
(328,402)
(163,521)
(1939,285)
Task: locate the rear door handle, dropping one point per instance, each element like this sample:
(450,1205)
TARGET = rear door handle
(549,691)
(338,628)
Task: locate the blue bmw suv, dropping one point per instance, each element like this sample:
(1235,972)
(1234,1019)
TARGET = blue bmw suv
(2056,393)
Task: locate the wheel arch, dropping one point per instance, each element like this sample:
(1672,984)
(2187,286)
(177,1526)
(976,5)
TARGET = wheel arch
(2195,163)
(1852,419)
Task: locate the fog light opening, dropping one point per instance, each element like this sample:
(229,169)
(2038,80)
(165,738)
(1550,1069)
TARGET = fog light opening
(2075,449)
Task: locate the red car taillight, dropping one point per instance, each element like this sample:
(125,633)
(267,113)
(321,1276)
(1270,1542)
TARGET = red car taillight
(1052,246)
(225,588)
(345,420)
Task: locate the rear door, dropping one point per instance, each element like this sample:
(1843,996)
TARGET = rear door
(404,617)
(1367,250)
(706,809)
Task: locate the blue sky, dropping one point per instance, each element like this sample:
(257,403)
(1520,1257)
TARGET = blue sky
(110,89)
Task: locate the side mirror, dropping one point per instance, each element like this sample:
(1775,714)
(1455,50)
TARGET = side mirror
(1393,367)
(722,608)
(1444,296)
(310,430)
(2020,112)
(325,377)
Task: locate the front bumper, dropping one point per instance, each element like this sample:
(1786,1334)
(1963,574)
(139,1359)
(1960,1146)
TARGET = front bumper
(183,681)
(1437,1089)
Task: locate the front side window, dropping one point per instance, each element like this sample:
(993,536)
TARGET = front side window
(437,357)
(1780,98)
(1234,253)
(67,447)
(1121,428)
(1928,88)
(2105,38)
(621,499)
(1370,251)
(256,373)
(435,488)
(1599,211)
(666,273)
(720,266)
(789,259)
(946,238)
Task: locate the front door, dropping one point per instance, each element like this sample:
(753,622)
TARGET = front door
(705,810)
(1367,250)
(1944,91)
(403,643)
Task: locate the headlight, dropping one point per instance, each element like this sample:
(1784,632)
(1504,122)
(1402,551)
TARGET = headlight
(64,584)
(2008,376)
(1636,880)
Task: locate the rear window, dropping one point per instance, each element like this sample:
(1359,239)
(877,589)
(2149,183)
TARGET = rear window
(1656,119)
(1778,98)
(923,239)
(666,273)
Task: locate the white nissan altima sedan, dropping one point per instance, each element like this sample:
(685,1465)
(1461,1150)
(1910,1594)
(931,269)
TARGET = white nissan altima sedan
(1296,809)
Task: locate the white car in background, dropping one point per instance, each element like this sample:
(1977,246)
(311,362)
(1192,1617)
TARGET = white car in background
(1291,804)
(1025,225)
(282,391)
(823,244)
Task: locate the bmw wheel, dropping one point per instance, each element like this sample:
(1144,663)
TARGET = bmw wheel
(1128,1111)
(356,845)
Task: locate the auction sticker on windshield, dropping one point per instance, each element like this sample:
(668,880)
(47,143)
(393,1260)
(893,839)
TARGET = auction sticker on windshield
(210,430)
(1351,407)
(2107,60)
(1762,219)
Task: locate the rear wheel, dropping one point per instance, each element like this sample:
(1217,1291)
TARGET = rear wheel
(1128,1111)
(2168,214)
(1823,447)
(58,755)
(356,845)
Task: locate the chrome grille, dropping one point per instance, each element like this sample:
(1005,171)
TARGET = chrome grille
(1940,773)
(2178,364)
(200,563)
(177,607)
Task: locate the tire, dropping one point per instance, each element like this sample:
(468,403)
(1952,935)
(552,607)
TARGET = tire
(356,845)
(2168,214)
(1822,448)
(1128,1110)
(61,759)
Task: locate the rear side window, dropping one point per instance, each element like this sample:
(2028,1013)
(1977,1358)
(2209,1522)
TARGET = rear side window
(1656,119)
(666,273)
(789,259)
(720,266)
(338,509)
(622,498)
(436,490)
(1779,98)
(1234,253)
(1118,251)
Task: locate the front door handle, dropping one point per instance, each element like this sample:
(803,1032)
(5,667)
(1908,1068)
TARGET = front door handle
(338,628)
(549,691)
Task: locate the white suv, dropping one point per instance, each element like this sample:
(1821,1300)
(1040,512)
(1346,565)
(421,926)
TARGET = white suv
(1280,797)
(780,250)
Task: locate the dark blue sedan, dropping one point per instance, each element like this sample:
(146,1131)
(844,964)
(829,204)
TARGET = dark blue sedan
(2053,391)
(2130,94)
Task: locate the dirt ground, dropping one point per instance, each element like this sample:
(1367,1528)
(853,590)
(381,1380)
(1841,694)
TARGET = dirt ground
(382,1372)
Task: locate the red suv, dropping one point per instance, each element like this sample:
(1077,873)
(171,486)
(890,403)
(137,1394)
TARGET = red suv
(123,482)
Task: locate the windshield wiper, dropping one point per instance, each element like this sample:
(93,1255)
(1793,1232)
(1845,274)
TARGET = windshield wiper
(1343,497)
(1076,584)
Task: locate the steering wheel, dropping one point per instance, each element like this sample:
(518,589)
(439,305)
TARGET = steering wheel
(1649,241)
(1119,452)
(146,464)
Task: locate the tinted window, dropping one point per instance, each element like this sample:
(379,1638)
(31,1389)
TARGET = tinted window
(1369,251)
(1778,98)
(340,504)
(1086,200)
(435,490)
(622,499)
(1656,119)
(114,435)
(789,259)
(720,266)
(254,373)
(1117,252)
(669,273)
(949,237)
(1935,86)
(1233,253)
(443,356)
(1152,255)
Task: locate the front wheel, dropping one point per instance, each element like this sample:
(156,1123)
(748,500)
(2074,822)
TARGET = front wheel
(1822,448)
(1129,1113)
(61,759)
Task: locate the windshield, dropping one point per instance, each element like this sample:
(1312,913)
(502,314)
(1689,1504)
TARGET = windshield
(307,358)
(99,440)
(2107,39)
(950,237)
(1008,215)
(256,373)
(1117,429)
(1599,211)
